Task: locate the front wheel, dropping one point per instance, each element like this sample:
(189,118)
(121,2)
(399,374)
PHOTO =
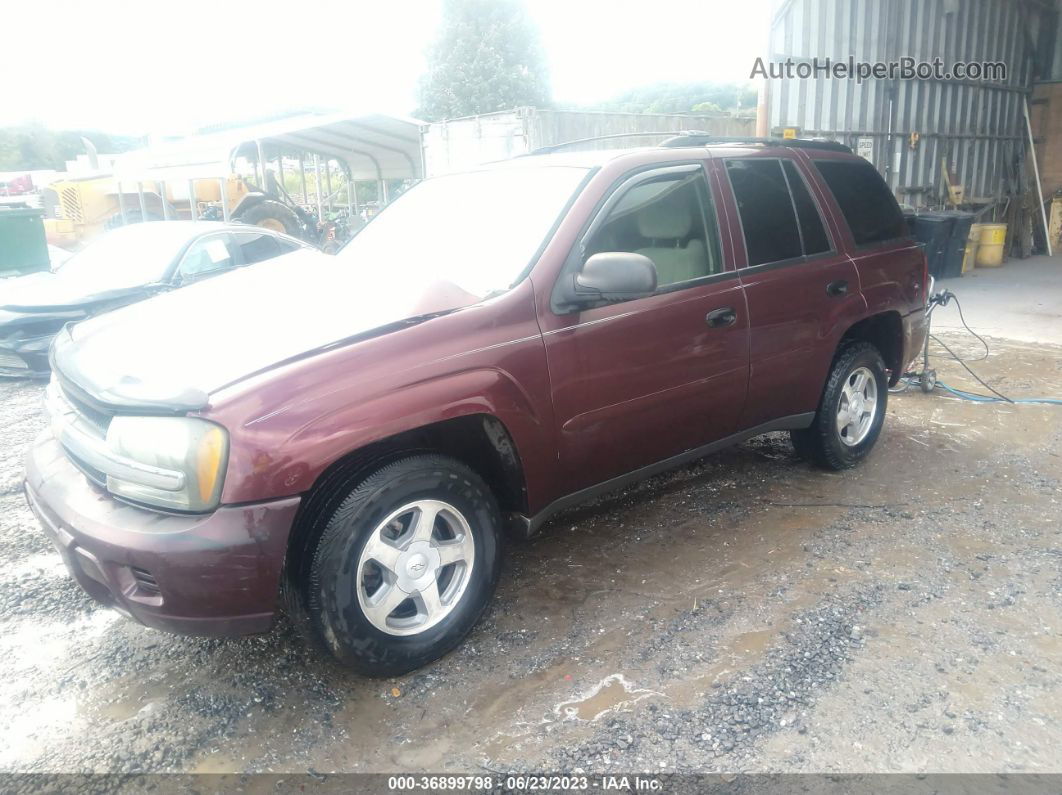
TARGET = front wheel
(851,412)
(405,565)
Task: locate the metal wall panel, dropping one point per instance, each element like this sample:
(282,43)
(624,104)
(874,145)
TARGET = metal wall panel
(977,126)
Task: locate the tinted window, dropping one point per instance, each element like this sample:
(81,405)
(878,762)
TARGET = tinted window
(664,218)
(812,231)
(257,247)
(766,211)
(864,199)
(206,255)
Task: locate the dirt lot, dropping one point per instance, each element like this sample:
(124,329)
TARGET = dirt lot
(745,613)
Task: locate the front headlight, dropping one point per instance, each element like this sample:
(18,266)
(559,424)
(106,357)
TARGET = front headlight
(182,461)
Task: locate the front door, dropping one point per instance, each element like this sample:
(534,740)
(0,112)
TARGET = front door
(640,381)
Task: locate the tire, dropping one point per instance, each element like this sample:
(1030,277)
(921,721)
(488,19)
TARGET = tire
(272,215)
(828,444)
(385,619)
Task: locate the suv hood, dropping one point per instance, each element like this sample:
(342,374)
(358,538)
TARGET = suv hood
(170,352)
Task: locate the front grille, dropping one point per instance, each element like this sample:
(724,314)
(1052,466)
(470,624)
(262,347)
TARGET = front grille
(70,202)
(97,419)
(12,362)
(93,474)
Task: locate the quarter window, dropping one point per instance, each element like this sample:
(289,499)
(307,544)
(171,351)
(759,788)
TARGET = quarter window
(665,218)
(767,215)
(865,200)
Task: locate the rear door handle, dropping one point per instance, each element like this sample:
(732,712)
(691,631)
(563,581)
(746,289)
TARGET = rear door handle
(837,288)
(724,316)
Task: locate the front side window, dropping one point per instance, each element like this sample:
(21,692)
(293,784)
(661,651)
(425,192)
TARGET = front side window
(865,201)
(664,218)
(767,215)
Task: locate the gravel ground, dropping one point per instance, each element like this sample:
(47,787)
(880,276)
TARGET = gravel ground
(746,613)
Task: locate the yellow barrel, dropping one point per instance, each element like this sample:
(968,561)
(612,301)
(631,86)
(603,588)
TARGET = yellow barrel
(990,245)
(970,254)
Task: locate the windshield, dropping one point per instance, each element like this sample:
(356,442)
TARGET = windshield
(478,230)
(129,256)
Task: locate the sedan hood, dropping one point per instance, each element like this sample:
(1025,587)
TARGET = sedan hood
(49,292)
(173,350)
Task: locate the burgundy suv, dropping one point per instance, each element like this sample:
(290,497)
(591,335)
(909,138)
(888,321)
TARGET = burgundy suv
(357,433)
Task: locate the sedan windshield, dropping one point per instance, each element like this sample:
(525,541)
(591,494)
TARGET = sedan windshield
(129,256)
(477,230)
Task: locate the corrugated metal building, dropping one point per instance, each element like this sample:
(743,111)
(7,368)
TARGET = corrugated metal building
(906,127)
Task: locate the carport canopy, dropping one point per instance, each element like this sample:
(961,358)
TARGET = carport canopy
(372,147)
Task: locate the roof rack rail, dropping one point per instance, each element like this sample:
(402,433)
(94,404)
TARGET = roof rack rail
(680,138)
(695,138)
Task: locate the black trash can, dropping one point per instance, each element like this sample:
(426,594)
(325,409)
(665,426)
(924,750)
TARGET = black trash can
(934,232)
(23,248)
(960,232)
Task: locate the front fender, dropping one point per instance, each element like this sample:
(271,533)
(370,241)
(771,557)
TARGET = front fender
(283,453)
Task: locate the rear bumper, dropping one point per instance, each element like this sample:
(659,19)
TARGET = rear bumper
(915,330)
(217,574)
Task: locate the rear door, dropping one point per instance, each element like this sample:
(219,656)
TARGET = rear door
(640,381)
(891,267)
(801,287)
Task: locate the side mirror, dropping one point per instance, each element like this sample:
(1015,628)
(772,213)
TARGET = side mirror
(615,276)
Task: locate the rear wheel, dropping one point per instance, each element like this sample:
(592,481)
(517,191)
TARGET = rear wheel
(852,410)
(405,565)
(272,215)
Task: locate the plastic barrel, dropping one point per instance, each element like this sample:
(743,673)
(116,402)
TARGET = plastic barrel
(990,245)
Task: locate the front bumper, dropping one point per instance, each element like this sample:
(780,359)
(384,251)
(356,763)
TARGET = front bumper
(217,574)
(25,359)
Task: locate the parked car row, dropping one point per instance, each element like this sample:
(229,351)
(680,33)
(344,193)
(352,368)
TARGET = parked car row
(353,436)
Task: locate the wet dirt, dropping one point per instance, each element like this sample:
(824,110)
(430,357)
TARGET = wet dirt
(747,612)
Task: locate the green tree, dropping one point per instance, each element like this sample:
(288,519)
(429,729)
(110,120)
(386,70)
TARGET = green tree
(487,57)
(33,146)
(682,98)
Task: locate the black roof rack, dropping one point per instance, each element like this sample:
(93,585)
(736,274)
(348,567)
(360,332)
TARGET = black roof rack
(681,138)
(707,139)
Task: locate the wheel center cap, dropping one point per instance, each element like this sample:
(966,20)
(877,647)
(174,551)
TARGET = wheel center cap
(417,566)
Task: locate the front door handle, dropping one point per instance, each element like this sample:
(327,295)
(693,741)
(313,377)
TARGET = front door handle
(724,316)
(837,288)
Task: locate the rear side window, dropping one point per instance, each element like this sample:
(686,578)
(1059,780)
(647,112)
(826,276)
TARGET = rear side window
(767,215)
(865,200)
(812,231)
(257,246)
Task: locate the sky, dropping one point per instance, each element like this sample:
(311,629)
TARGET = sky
(153,67)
